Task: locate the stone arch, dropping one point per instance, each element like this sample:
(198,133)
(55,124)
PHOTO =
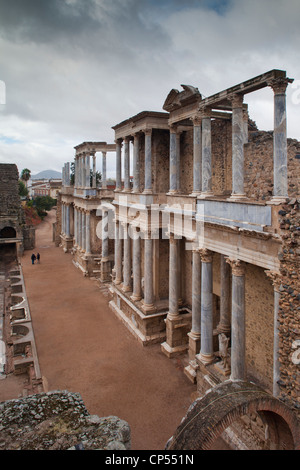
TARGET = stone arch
(8,232)
(224,404)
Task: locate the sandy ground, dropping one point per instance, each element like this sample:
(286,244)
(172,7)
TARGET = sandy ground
(83,347)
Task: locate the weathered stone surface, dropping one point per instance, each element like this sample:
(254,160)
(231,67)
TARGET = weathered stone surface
(58,420)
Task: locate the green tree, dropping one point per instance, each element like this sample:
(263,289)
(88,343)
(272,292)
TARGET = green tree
(23,191)
(25,175)
(43,204)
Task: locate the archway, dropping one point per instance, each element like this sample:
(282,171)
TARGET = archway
(228,403)
(8,232)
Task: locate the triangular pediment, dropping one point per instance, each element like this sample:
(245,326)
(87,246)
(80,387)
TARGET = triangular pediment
(177,99)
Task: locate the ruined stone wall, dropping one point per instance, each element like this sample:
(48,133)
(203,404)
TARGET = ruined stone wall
(221,148)
(186,162)
(289,304)
(259,307)
(10,203)
(163,269)
(160,152)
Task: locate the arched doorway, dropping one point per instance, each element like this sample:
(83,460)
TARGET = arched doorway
(227,405)
(8,232)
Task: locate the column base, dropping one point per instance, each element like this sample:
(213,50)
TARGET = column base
(126,289)
(148,308)
(195,194)
(276,200)
(171,192)
(206,359)
(147,191)
(205,194)
(136,298)
(237,197)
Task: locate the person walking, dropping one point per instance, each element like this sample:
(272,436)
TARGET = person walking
(33,258)
(38,256)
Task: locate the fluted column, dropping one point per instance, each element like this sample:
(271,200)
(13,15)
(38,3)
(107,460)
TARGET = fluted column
(238,343)
(126,164)
(148,302)
(280,191)
(104,182)
(238,138)
(206,154)
(197,156)
(127,260)
(148,161)
(118,164)
(136,163)
(136,268)
(206,349)
(224,325)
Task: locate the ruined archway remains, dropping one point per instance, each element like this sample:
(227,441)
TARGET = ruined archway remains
(220,407)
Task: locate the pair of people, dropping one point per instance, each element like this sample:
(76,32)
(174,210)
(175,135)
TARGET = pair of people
(37,257)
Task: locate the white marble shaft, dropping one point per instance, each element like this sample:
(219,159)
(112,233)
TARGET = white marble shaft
(87,171)
(62,218)
(80,229)
(104,235)
(118,165)
(126,165)
(118,253)
(280,146)
(178,161)
(238,137)
(68,220)
(84,231)
(148,162)
(206,155)
(127,260)
(148,273)
(75,226)
(173,162)
(196,294)
(197,162)
(136,261)
(94,181)
(104,182)
(136,164)
(173,277)
(238,371)
(206,351)
(88,233)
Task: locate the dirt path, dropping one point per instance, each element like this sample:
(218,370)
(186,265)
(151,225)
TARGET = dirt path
(82,347)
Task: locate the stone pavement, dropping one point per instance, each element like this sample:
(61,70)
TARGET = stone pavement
(82,347)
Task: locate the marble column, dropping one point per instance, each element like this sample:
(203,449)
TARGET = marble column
(148,161)
(178,134)
(148,302)
(118,164)
(104,235)
(206,155)
(136,163)
(104,181)
(75,226)
(68,220)
(275,278)
(173,278)
(237,147)
(118,253)
(206,349)
(197,156)
(87,171)
(94,180)
(245,123)
(62,218)
(224,325)
(173,161)
(83,231)
(136,268)
(127,260)
(238,343)
(280,191)
(80,229)
(126,164)
(88,233)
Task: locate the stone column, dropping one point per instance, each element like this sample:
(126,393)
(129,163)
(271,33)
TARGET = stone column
(275,278)
(238,343)
(206,350)
(126,165)
(173,278)
(178,161)
(197,157)
(94,181)
(136,261)
(148,161)
(280,191)
(136,164)
(104,235)
(68,174)
(62,218)
(173,161)
(118,164)
(87,171)
(83,230)
(127,260)
(68,220)
(80,229)
(148,302)
(245,123)
(104,182)
(206,154)
(237,147)
(118,253)
(88,233)
(224,325)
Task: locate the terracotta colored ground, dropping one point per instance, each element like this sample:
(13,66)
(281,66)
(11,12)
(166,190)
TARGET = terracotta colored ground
(83,347)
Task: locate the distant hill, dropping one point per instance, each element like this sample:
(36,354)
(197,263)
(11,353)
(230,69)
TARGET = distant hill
(47,174)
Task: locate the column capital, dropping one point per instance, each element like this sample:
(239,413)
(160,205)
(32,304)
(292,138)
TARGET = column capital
(236,100)
(204,112)
(147,131)
(275,279)
(172,238)
(279,85)
(196,119)
(237,266)
(206,255)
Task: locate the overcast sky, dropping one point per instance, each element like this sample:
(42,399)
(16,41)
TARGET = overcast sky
(72,69)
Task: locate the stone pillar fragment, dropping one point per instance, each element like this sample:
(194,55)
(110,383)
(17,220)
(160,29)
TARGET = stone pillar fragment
(238,138)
